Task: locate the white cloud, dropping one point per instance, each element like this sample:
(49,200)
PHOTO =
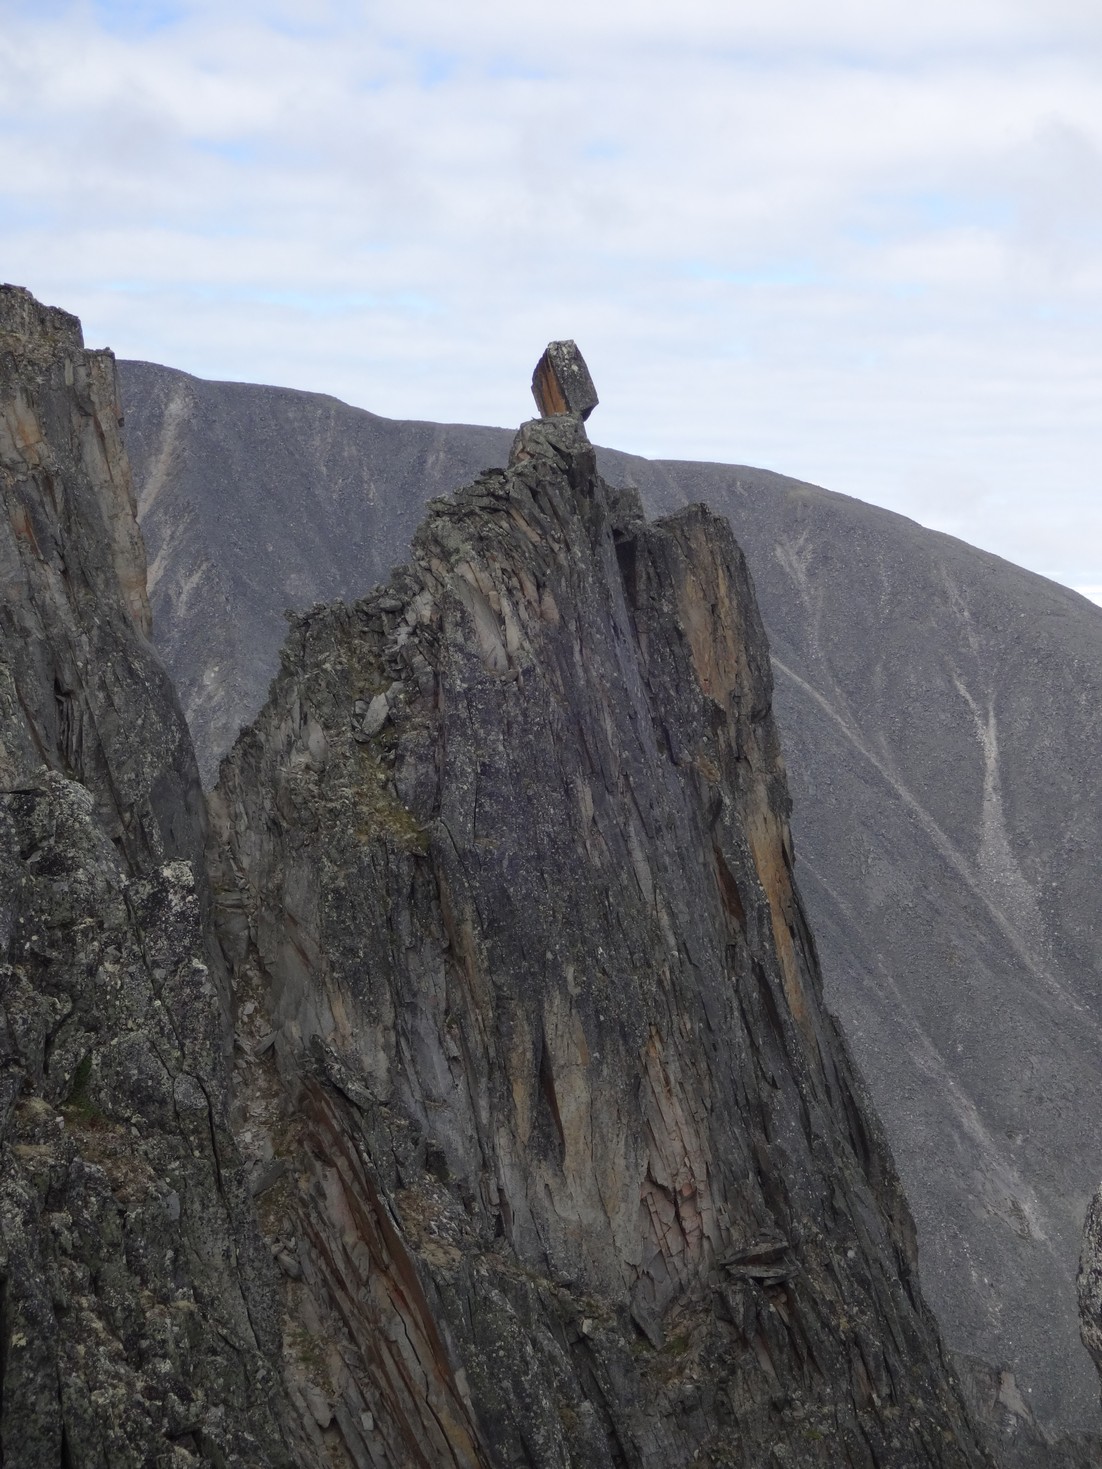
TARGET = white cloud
(859,243)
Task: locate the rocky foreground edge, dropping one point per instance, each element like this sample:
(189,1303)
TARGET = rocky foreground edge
(138,1320)
(484,1110)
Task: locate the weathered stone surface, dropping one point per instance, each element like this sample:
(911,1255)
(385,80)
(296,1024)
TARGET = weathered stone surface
(81,691)
(579,1170)
(998,1404)
(939,713)
(557,1157)
(561,382)
(136,1304)
(256,500)
(1090,1282)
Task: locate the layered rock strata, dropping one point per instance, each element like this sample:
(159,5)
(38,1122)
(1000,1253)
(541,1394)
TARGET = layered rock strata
(137,1320)
(562,1157)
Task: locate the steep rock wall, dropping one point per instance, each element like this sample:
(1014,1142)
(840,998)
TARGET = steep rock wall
(250,511)
(939,713)
(137,1319)
(563,1159)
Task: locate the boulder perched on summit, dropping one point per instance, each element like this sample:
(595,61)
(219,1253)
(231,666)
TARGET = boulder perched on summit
(561,382)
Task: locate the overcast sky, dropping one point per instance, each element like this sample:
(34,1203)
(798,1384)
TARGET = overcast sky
(856,241)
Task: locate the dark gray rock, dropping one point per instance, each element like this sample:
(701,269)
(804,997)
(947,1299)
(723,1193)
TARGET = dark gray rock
(939,713)
(561,382)
(543,1149)
(1090,1282)
(578,1166)
(256,500)
(137,1311)
(997,1403)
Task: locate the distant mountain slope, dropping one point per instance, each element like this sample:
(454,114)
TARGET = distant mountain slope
(939,712)
(256,500)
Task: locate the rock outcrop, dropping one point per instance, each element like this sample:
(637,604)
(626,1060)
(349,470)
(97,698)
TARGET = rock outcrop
(137,1320)
(252,502)
(939,712)
(561,382)
(515,1131)
(562,1156)
(1004,1414)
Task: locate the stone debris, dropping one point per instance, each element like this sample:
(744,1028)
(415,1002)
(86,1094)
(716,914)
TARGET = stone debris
(266,1175)
(378,712)
(766,1260)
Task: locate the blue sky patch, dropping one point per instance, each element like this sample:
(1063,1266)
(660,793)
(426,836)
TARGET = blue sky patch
(508,69)
(603,149)
(892,216)
(434,68)
(232,150)
(777,273)
(142,17)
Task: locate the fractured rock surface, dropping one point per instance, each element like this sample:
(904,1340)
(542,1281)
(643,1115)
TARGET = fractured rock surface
(255,501)
(561,382)
(137,1319)
(939,714)
(569,1163)
(539,1147)
(1090,1282)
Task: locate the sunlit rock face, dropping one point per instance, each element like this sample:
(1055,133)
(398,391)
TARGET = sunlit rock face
(564,1158)
(561,382)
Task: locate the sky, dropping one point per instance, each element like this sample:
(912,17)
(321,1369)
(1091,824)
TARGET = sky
(855,241)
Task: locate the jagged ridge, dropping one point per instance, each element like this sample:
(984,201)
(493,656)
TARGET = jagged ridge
(137,1320)
(567,1162)
(939,715)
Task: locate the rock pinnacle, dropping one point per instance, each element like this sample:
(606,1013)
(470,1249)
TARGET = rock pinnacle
(561,382)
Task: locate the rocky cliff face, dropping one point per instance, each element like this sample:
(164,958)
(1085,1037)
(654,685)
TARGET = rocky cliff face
(939,711)
(252,502)
(563,1160)
(514,1131)
(136,1310)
